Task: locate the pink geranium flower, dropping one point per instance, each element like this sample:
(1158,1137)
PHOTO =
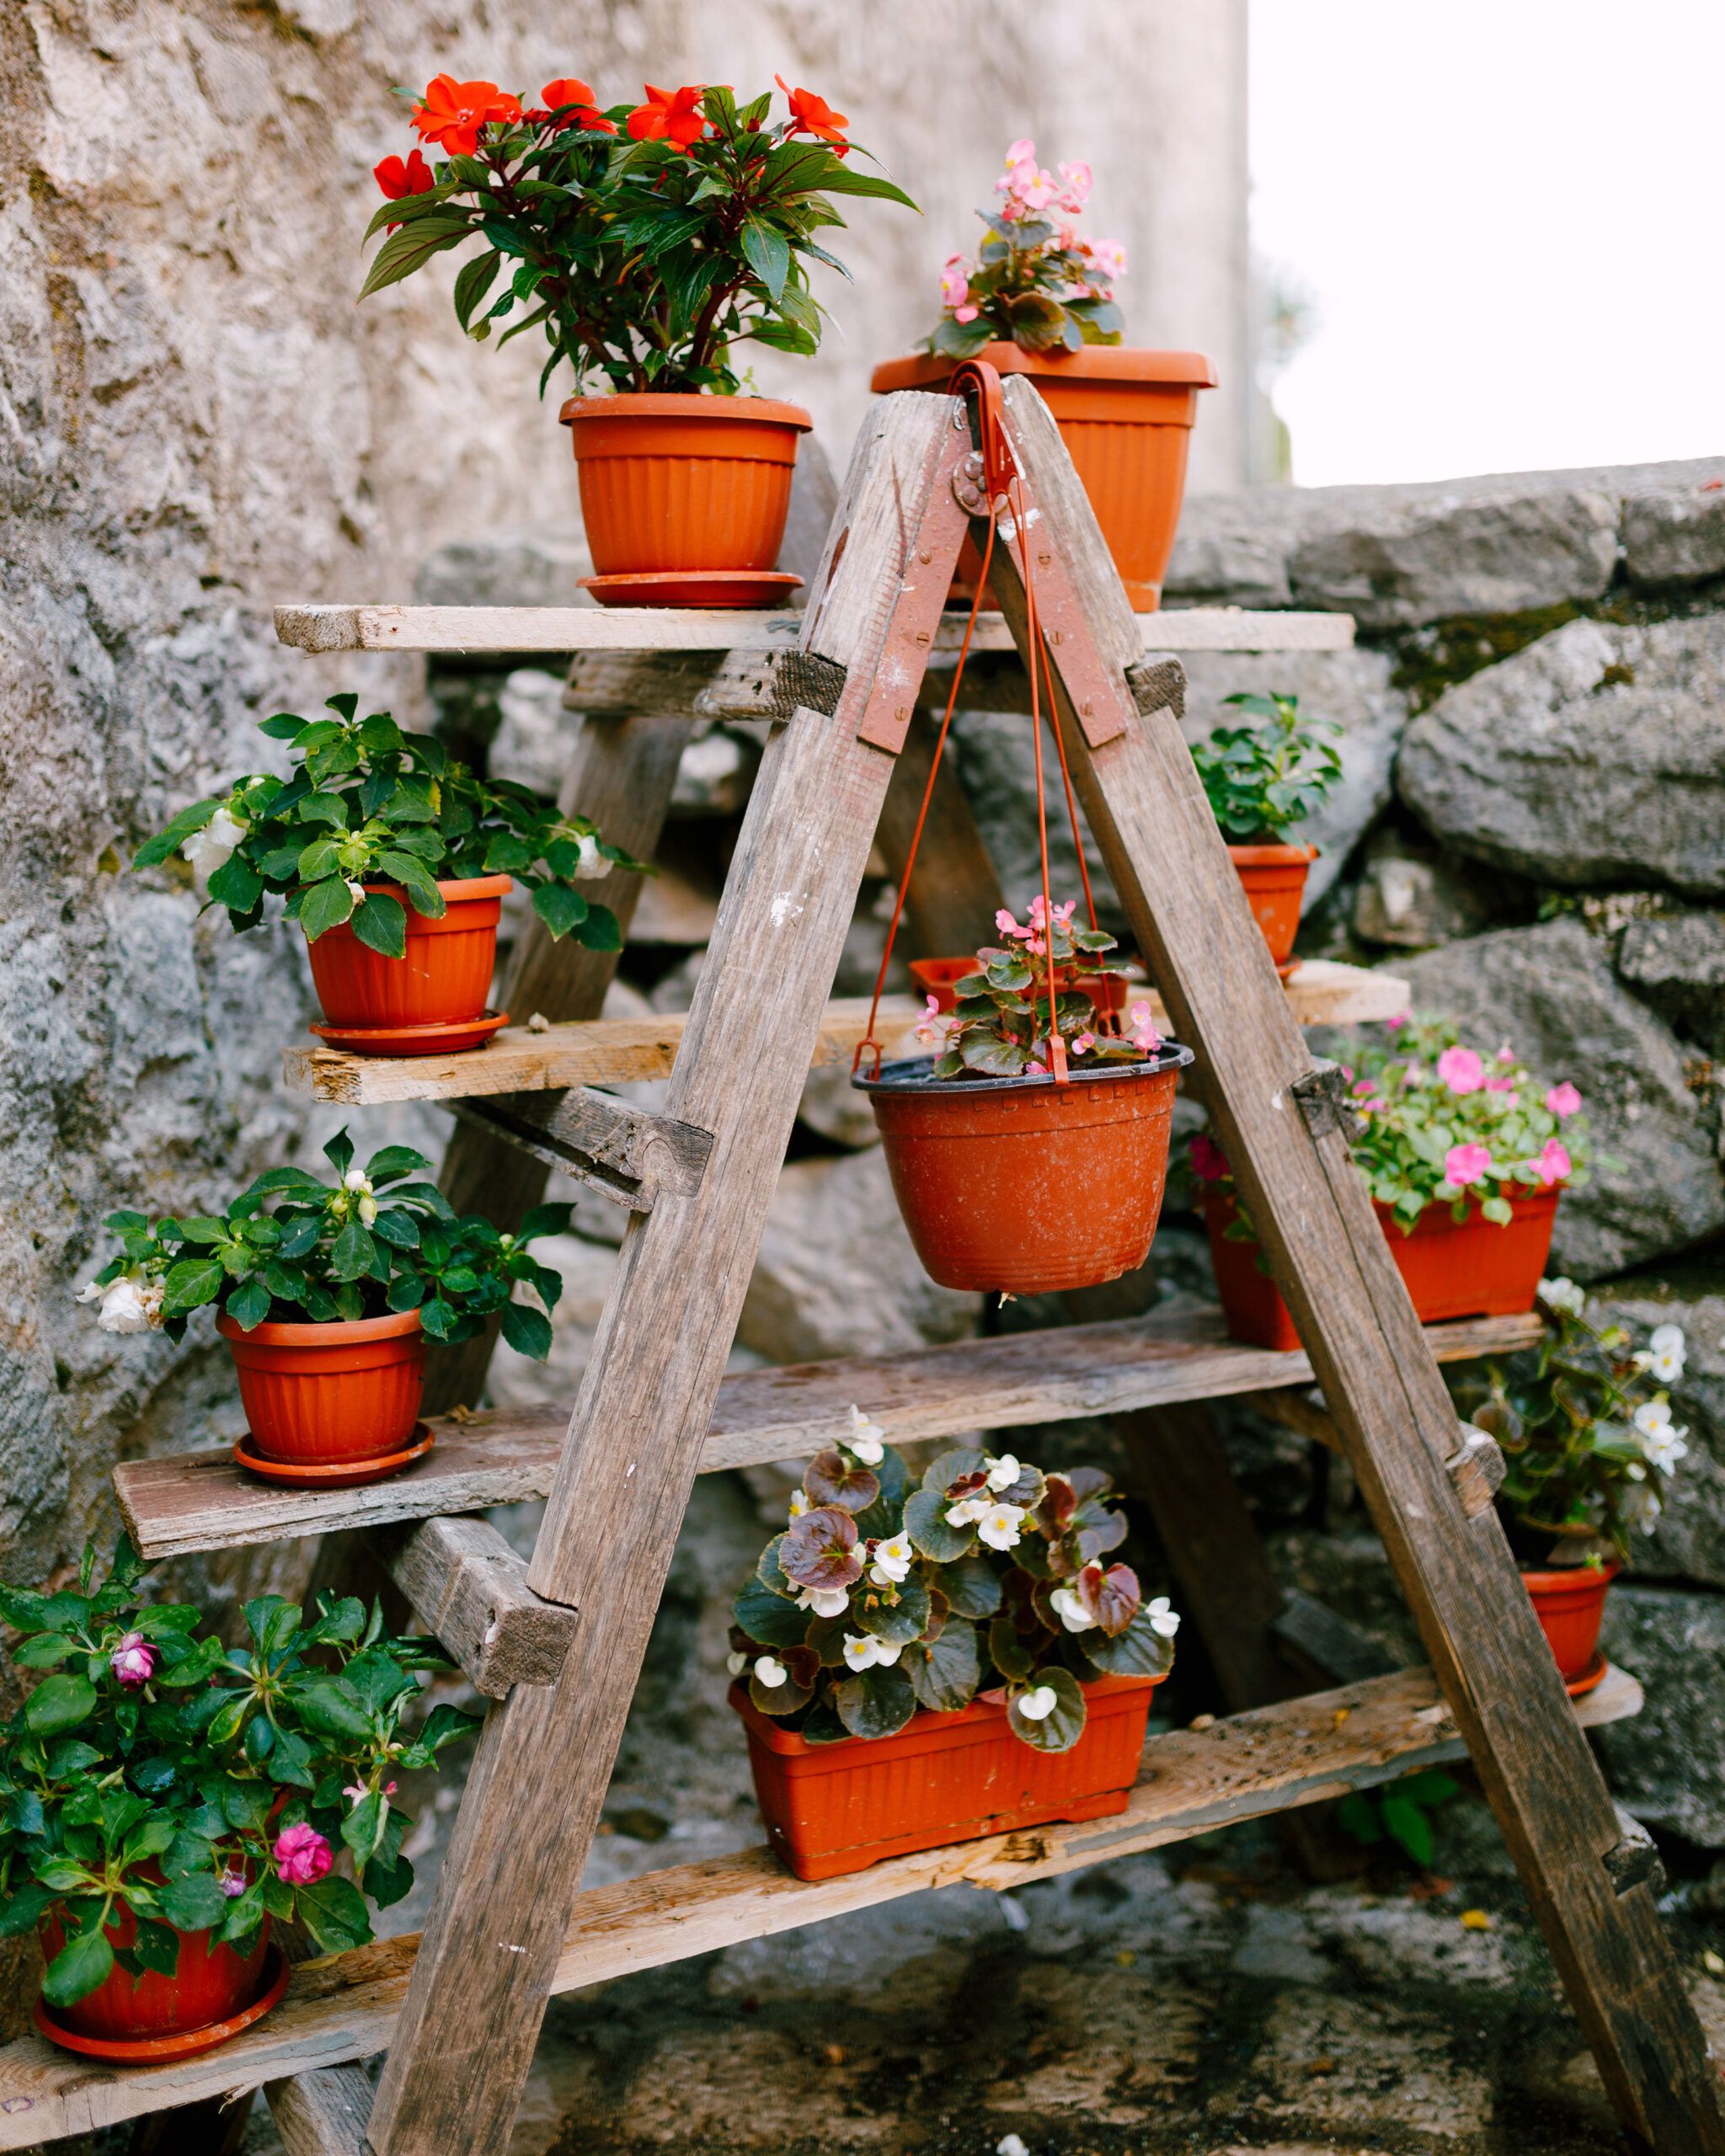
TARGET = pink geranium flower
(1461,1070)
(1467,1164)
(1563,1100)
(1210,1163)
(133,1662)
(301,1855)
(1553,1163)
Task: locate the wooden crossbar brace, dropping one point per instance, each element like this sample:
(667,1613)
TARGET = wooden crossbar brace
(471,1588)
(624,1153)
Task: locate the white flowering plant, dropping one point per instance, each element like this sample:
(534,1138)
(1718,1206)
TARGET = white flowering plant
(1444,1124)
(983,1579)
(999,1026)
(154,1771)
(1585,1424)
(294,1249)
(367,805)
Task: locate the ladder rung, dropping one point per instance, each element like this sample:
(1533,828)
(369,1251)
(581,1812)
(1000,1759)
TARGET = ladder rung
(471,1588)
(626,1154)
(345,2006)
(617,1051)
(203,1501)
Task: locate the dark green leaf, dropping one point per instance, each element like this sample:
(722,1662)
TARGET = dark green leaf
(527,1330)
(381,925)
(325,906)
(770,1619)
(926,1524)
(560,908)
(875,1702)
(944,1674)
(1060,1730)
(84,1962)
(58,1703)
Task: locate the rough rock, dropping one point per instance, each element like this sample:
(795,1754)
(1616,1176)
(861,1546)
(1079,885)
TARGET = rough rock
(1675,535)
(835,1110)
(1411,897)
(535,735)
(508,565)
(1689,1539)
(1676,961)
(836,1274)
(1550,991)
(1668,1766)
(1593,757)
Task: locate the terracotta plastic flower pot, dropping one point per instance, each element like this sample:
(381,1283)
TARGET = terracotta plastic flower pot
(1275,877)
(443,980)
(1125,416)
(689,484)
(1569,1601)
(209,1984)
(939,977)
(316,1395)
(833,1808)
(1020,1187)
(1477,1269)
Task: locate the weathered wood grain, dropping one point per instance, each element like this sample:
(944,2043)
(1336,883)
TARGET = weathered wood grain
(1171,870)
(471,1588)
(626,1153)
(616,1051)
(202,1501)
(677,629)
(322,2113)
(345,2006)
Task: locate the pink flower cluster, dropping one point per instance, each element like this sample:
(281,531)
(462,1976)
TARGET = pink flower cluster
(1471,1163)
(1030,188)
(1034,937)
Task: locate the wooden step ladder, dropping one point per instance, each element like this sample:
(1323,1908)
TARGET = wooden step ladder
(557,1645)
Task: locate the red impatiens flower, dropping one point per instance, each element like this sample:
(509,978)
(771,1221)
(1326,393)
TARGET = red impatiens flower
(813,115)
(670,116)
(452,113)
(397,179)
(571,90)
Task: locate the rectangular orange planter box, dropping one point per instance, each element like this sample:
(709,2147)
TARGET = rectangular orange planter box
(1475,1269)
(833,1808)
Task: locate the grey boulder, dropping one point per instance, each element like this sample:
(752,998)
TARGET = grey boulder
(1667,1764)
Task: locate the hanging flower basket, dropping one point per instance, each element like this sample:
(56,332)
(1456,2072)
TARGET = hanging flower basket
(1569,1601)
(1022,1186)
(836,1808)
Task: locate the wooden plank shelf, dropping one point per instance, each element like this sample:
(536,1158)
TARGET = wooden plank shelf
(345,2006)
(466,629)
(203,1501)
(619,1051)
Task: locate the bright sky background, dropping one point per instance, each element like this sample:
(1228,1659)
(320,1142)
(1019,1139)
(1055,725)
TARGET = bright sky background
(1510,216)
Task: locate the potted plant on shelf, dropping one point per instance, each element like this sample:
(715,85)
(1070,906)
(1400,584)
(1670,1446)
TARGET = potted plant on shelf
(1038,300)
(918,1662)
(646,242)
(1584,1423)
(1466,1157)
(167,1800)
(1263,780)
(394,858)
(328,1295)
(1030,1154)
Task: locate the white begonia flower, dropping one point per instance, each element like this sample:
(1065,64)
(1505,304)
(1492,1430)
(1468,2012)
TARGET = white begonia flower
(1163,1621)
(1664,1447)
(863,1650)
(866,1440)
(1004,1473)
(592,864)
(1038,1704)
(771,1672)
(1001,1526)
(825,1601)
(735,1664)
(1652,1416)
(1641,1507)
(1011,2144)
(965,1511)
(1561,1294)
(1071,1611)
(131,1303)
(208,849)
(799,1503)
(892,1561)
(1666,1351)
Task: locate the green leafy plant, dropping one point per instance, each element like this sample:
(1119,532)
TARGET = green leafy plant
(1264,779)
(1584,1423)
(998,1028)
(645,241)
(155,1771)
(369,806)
(1034,280)
(1401,1812)
(985,1579)
(1444,1125)
(293,1249)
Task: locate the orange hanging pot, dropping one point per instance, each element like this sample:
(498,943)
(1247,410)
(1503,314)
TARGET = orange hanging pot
(433,998)
(1471,1268)
(341,1397)
(1125,415)
(1275,877)
(836,1808)
(1021,1187)
(1569,1601)
(683,496)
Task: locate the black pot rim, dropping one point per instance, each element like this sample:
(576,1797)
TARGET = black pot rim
(909,1074)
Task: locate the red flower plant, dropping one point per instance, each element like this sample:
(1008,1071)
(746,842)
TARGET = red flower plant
(396,178)
(670,116)
(813,115)
(452,113)
(571,90)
